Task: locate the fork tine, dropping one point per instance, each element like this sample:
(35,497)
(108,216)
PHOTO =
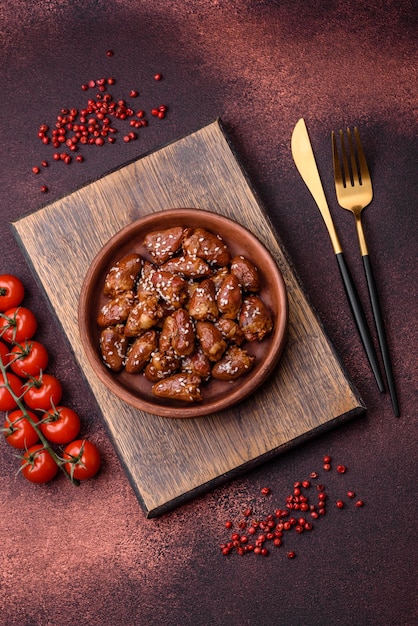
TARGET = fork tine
(364,170)
(347,177)
(354,169)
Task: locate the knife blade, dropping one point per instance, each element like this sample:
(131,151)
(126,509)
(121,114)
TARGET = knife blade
(306,165)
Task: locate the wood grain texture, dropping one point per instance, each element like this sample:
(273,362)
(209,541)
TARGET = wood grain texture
(169,461)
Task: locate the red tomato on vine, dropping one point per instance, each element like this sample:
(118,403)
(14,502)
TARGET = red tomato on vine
(18,430)
(83,459)
(60,425)
(42,392)
(38,466)
(7,401)
(17,325)
(12,292)
(29,359)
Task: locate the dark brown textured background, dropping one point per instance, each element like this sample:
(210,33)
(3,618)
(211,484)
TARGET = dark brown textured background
(89,555)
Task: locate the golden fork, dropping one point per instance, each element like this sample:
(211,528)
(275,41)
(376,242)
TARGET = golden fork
(354,191)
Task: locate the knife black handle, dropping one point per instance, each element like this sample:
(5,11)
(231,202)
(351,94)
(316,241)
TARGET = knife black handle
(360,319)
(381,333)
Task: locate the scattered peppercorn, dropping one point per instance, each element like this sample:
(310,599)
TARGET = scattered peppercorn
(93,123)
(277,527)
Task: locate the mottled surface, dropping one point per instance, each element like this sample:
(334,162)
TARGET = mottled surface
(88,555)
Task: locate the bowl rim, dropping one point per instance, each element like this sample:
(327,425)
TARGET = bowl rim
(183,410)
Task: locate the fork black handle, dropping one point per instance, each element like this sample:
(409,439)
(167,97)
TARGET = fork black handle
(360,319)
(381,333)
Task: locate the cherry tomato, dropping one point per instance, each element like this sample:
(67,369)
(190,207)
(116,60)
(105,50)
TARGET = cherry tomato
(84,459)
(60,425)
(12,291)
(38,466)
(29,359)
(18,431)
(7,401)
(42,392)
(4,353)
(17,325)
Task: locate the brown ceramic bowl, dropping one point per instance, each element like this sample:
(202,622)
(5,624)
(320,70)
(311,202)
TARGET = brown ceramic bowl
(218,395)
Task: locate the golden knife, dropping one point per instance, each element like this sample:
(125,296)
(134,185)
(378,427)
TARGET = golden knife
(304,159)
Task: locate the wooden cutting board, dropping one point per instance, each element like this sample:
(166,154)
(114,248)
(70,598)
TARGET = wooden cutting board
(169,461)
